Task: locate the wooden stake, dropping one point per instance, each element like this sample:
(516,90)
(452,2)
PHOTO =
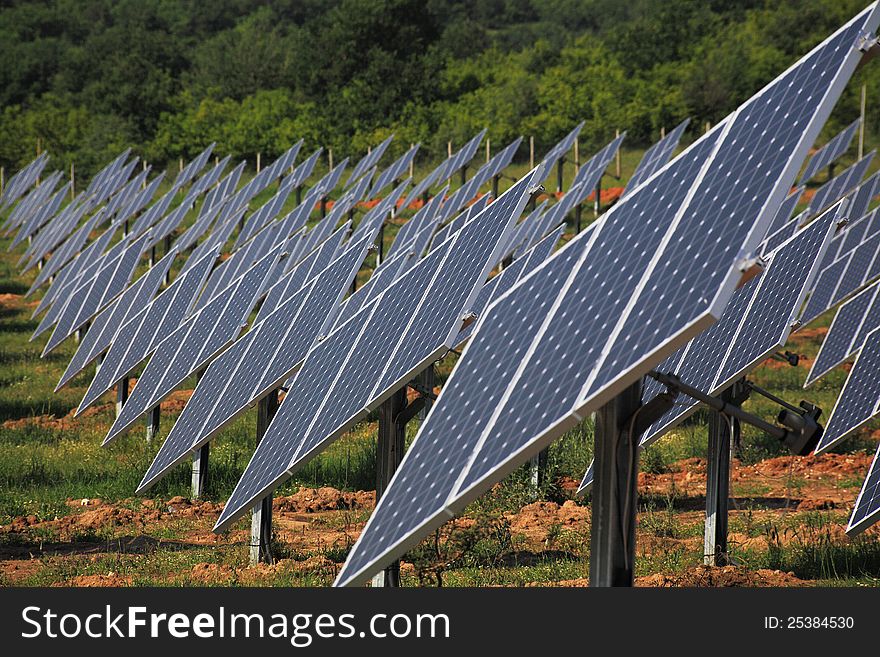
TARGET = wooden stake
(412,161)
(330,158)
(449,149)
(258,163)
(488,151)
(72,181)
(617,158)
(531,152)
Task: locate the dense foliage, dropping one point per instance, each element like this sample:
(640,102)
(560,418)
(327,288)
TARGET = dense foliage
(83,78)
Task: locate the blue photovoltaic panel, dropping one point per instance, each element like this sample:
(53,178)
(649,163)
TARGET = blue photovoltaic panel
(263,215)
(857,270)
(830,151)
(867,508)
(195,343)
(697,363)
(776,239)
(303,170)
(656,157)
(137,338)
(93,295)
(382,347)
(525,228)
(192,169)
(257,362)
(64,253)
(838,343)
(444,446)
(590,173)
(861,198)
(504,281)
(303,271)
(781,292)
(69,277)
(840,185)
(367,162)
(103,328)
(823,292)
(426,216)
(563,146)
(394,171)
(857,403)
(783,215)
(727,188)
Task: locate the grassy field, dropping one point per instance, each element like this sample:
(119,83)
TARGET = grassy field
(68,515)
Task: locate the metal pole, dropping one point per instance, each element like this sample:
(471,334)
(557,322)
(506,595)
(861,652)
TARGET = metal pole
(862,123)
(389,452)
(559,171)
(261,517)
(616,462)
(717,487)
(464,176)
(538,467)
(597,204)
(200,471)
(153,423)
(495,181)
(380,252)
(299,194)
(428,380)
(167,278)
(121,394)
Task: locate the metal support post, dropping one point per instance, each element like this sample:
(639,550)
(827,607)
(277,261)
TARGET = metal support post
(323,207)
(261,517)
(389,452)
(200,471)
(718,486)
(538,470)
(121,394)
(616,460)
(380,252)
(495,180)
(597,204)
(153,422)
(428,379)
(559,171)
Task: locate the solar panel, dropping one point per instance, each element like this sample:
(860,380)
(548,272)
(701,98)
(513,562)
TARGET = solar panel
(302,272)
(857,403)
(783,215)
(867,508)
(426,215)
(192,169)
(303,170)
(264,214)
(89,257)
(367,162)
(656,157)
(590,173)
(562,146)
(823,292)
(838,344)
(137,338)
(445,169)
(840,185)
(20,182)
(861,198)
(504,281)
(257,362)
(409,326)
(69,248)
(103,328)
(585,348)
(37,208)
(394,171)
(195,343)
(93,295)
(830,151)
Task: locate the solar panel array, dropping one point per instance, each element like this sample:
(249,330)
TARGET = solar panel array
(840,185)
(646,293)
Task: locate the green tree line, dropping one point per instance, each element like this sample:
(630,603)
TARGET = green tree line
(85,78)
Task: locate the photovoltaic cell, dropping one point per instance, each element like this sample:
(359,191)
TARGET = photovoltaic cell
(734,189)
(367,162)
(783,215)
(821,298)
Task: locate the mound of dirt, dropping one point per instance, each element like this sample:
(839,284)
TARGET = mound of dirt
(110,579)
(312,500)
(536,519)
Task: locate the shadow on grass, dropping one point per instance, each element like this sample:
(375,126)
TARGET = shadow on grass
(140,544)
(698,503)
